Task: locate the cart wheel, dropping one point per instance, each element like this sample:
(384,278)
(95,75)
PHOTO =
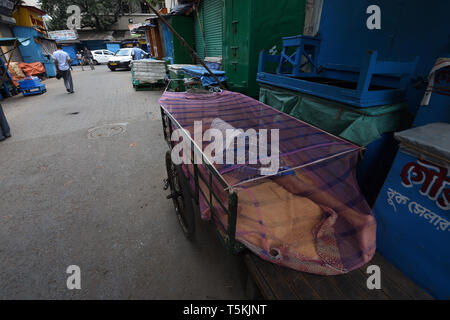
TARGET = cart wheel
(181,196)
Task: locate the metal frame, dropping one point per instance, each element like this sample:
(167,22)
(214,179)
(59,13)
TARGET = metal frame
(226,235)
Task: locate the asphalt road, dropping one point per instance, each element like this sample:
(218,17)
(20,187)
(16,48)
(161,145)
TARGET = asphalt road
(81,184)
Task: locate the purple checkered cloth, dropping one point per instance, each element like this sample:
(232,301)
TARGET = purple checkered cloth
(300,144)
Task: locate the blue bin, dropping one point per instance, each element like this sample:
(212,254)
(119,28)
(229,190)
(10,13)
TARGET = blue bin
(30,83)
(413,209)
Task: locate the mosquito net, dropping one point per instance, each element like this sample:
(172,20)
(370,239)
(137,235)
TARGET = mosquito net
(299,204)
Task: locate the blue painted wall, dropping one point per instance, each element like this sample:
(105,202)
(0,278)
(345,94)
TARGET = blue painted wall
(409,28)
(32,52)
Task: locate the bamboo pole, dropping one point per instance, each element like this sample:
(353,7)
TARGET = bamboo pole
(192,51)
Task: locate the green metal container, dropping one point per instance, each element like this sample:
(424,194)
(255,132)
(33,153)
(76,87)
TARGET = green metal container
(252,26)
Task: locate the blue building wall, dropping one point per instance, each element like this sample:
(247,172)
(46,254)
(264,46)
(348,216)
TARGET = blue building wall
(410,28)
(32,52)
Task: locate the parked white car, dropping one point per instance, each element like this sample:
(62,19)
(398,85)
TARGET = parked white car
(101,56)
(122,59)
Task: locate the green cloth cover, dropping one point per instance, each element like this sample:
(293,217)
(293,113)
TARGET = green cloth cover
(360,126)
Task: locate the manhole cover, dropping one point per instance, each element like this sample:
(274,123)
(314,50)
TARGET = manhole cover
(107,131)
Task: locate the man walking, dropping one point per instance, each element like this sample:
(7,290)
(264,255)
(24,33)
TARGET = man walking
(136,52)
(62,63)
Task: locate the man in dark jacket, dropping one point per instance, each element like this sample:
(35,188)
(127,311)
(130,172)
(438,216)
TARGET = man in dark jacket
(5,131)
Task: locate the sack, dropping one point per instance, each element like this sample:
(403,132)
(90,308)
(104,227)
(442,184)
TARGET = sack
(58,75)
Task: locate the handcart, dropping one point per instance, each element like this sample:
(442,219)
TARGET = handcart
(217,189)
(222,191)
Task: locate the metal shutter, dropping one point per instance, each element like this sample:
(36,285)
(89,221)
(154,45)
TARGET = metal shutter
(211,16)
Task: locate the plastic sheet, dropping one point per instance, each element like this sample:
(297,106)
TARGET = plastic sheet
(204,75)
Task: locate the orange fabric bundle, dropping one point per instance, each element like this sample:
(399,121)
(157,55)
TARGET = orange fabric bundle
(32,69)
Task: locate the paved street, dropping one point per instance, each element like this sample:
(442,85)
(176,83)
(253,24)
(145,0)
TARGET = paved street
(81,184)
